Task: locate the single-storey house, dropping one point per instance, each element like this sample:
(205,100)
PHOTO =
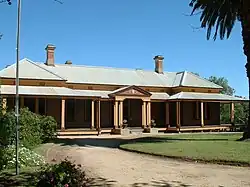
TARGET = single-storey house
(89,97)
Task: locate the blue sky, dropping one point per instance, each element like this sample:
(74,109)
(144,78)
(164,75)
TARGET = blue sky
(124,34)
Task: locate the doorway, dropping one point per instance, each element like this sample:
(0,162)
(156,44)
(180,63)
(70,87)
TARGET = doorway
(132,112)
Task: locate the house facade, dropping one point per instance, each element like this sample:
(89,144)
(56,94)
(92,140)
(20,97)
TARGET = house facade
(88,97)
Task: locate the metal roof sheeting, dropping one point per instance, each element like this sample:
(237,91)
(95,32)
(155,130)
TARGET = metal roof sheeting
(62,91)
(105,75)
(29,70)
(204,96)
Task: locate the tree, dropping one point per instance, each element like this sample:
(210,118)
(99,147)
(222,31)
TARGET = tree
(222,15)
(241,111)
(223,82)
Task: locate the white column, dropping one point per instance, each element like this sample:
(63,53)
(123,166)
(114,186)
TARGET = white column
(116,114)
(121,113)
(149,113)
(63,114)
(144,114)
(202,114)
(232,113)
(92,114)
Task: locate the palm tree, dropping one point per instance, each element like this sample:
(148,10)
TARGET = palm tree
(222,16)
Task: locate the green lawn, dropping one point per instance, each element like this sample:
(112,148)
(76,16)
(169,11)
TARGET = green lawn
(218,148)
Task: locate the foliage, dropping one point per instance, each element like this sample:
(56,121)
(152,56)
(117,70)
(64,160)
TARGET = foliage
(153,124)
(219,14)
(30,128)
(223,82)
(241,113)
(3,159)
(27,158)
(48,128)
(7,129)
(241,109)
(124,123)
(63,174)
(34,129)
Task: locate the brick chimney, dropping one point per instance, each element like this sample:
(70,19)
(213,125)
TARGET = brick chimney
(50,61)
(159,64)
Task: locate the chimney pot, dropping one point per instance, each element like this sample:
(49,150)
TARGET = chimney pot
(68,62)
(159,64)
(50,61)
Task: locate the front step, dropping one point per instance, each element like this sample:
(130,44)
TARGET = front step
(136,130)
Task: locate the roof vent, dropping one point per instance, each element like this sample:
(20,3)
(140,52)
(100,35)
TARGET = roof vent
(68,62)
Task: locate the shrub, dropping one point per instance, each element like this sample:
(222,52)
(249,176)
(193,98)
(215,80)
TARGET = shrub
(7,129)
(3,159)
(30,131)
(34,129)
(48,127)
(63,174)
(27,158)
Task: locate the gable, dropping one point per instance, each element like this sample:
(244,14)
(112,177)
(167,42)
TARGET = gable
(29,70)
(130,91)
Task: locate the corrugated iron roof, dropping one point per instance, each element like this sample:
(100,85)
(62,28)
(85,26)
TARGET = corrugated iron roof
(105,75)
(204,96)
(62,91)
(29,70)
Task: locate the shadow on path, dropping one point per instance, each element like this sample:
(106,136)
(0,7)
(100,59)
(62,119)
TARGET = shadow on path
(114,142)
(96,142)
(28,179)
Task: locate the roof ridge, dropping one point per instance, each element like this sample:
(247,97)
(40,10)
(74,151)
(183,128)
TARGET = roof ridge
(38,65)
(203,79)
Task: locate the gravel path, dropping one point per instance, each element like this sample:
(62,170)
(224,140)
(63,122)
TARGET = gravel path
(109,166)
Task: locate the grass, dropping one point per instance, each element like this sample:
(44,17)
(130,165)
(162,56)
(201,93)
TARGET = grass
(26,177)
(216,148)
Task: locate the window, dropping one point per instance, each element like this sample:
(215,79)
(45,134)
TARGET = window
(70,105)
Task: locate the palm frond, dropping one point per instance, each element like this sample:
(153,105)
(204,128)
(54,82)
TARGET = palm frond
(218,14)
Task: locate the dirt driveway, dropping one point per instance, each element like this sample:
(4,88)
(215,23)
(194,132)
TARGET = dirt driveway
(109,166)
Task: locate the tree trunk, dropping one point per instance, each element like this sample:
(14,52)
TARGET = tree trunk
(245,23)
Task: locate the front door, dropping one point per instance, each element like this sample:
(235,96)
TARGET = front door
(132,112)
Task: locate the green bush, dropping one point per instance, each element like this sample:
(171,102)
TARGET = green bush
(63,174)
(48,127)
(34,129)
(27,158)
(7,129)
(30,128)
(3,159)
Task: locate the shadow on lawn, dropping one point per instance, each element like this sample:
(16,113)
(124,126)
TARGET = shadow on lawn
(10,179)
